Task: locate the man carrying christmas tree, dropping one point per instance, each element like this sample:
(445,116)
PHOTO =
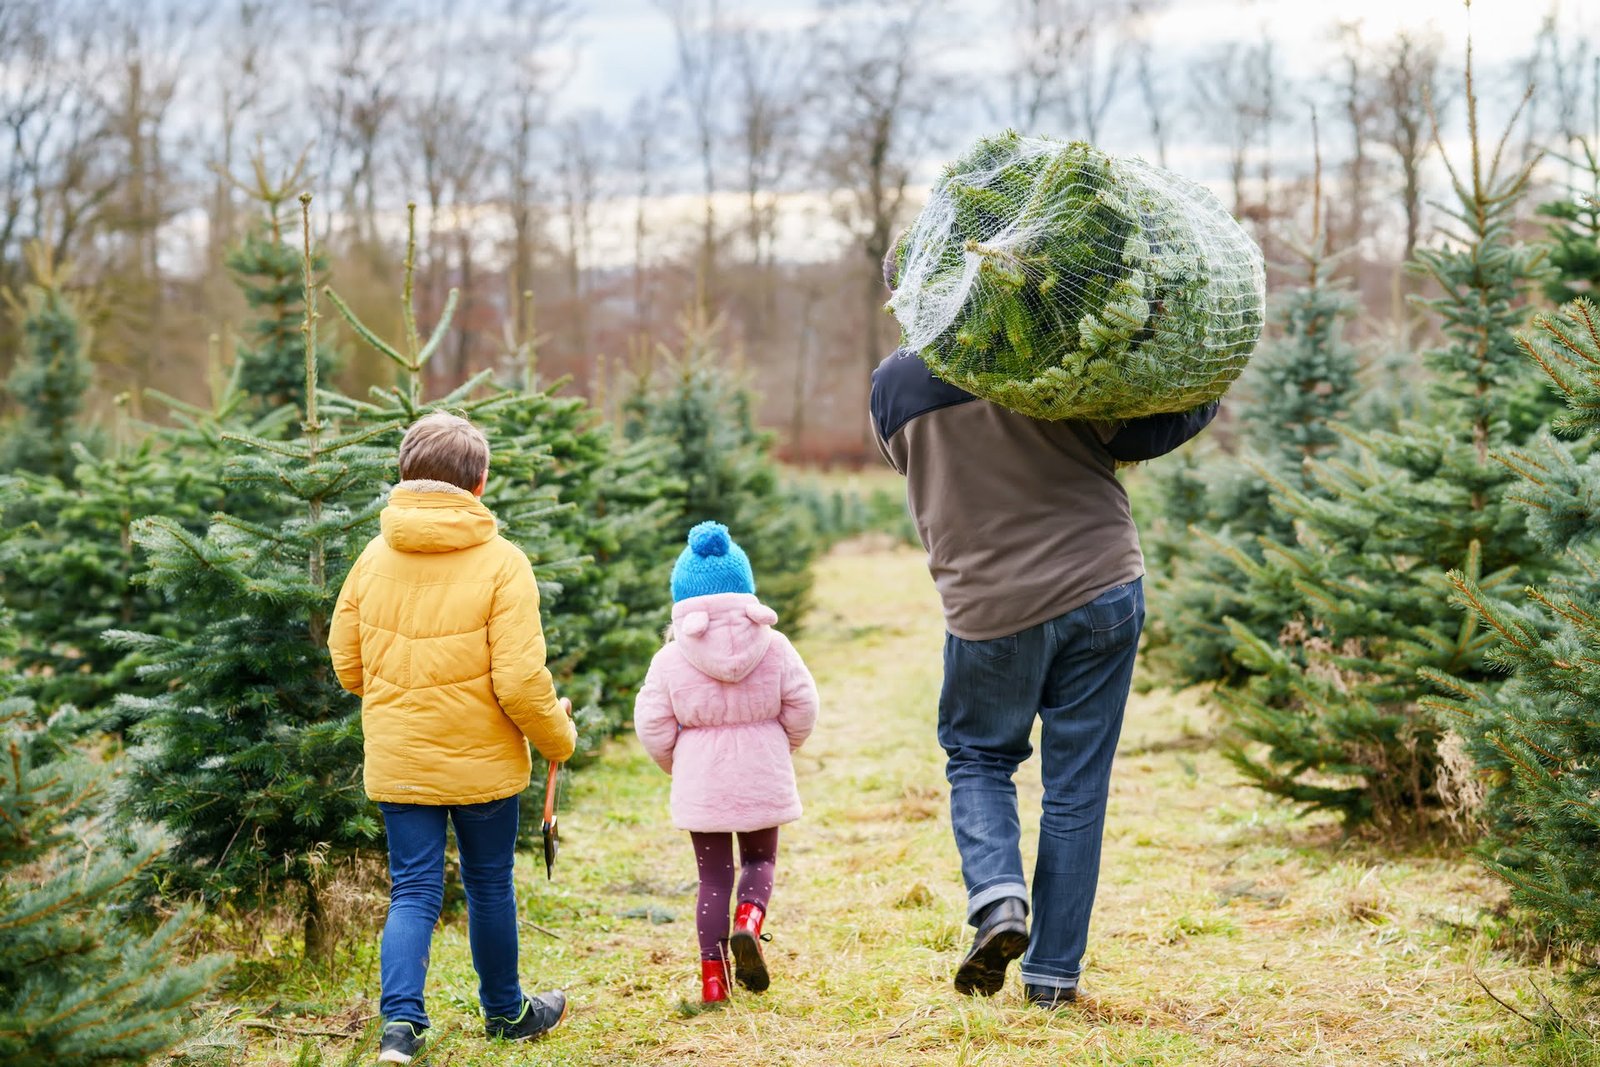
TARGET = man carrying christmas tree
(437,630)
(1033,549)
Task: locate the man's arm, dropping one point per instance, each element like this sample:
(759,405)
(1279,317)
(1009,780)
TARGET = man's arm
(1156,435)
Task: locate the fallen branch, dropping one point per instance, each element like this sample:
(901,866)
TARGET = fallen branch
(1500,1002)
(1562,1019)
(542,930)
(295,1031)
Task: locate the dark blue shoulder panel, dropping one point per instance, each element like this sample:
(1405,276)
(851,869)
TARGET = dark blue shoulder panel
(903,388)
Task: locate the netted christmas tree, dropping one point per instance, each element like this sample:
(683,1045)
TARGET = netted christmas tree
(1204,548)
(1332,721)
(51,375)
(251,759)
(1536,736)
(80,985)
(1574,229)
(1062,282)
(693,411)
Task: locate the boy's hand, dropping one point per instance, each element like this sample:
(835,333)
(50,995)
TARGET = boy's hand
(565,705)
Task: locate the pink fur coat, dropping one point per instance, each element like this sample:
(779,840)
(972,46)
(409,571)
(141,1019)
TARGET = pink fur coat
(724,706)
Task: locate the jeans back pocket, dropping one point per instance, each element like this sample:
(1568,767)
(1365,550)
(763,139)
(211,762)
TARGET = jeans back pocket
(1116,617)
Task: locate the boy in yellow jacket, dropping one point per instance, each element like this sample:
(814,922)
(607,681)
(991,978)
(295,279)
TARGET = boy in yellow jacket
(437,631)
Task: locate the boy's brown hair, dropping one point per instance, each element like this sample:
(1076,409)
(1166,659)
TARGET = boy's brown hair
(442,447)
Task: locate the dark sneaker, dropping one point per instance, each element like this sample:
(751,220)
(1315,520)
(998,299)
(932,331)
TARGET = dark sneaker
(540,1015)
(1049,996)
(400,1042)
(1002,937)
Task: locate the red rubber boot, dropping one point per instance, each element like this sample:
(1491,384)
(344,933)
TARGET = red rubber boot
(748,966)
(713,981)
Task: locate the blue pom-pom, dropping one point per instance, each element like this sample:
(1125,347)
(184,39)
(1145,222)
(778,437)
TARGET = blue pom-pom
(709,539)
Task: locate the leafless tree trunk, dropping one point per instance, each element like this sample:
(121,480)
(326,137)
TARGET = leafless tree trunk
(356,102)
(879,85)
(640,160)
(149,41)
(1150,89)
(1358,104)
(698,29)
(1234,93)
(766,68)
(533,28)
(579,170)
(1071,56)
(445,141)
(1408,76)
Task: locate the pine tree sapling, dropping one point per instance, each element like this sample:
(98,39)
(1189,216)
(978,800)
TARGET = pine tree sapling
(51,375)
(1205,544)
(1536,736)
(69,568)
(1062,282)
(80,985)
(1574,229)
(251,757)
(267,266)
(700,422)
(1332,720)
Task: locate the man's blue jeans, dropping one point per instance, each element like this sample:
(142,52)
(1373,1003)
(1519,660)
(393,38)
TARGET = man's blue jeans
(1073,673)
(486,835)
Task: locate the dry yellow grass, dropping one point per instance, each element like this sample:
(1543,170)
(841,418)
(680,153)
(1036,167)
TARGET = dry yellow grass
(1227,931)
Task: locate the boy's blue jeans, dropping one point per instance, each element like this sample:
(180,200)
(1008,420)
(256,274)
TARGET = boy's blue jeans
(486,835)
(1073,673)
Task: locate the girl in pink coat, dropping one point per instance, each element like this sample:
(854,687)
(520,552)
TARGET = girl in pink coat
(725,705)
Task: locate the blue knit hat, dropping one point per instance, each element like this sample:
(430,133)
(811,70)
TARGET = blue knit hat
(711,564)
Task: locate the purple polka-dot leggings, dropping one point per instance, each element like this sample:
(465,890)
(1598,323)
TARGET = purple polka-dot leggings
(713,853)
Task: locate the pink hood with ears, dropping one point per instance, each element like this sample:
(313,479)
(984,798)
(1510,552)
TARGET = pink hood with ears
(724,706)
(723,635)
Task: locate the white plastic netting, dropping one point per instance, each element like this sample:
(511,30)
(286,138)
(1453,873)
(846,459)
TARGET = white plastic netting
(1062,282)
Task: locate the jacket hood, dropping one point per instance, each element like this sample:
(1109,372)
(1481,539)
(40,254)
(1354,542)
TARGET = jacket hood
(723,635)
(435,517)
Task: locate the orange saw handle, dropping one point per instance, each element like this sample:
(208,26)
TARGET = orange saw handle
(549,830)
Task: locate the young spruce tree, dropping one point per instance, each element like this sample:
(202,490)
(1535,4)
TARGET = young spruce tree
(51,375)
(1215,515)
(1536,735)
(80,986)
(1574,229)
(251,759)
(69,569)
(586,511)
(268,269)
(700,420)
(1332,720)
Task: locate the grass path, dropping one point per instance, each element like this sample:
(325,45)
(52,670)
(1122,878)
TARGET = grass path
(1226,932)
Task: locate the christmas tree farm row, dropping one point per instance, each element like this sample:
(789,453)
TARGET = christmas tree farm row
(1391,587)
(167,604)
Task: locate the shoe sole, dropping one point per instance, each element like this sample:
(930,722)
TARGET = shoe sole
(394,1056)
(983,972)
(749,969)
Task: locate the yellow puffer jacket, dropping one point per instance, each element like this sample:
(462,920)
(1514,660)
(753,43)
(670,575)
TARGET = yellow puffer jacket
(437,631)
